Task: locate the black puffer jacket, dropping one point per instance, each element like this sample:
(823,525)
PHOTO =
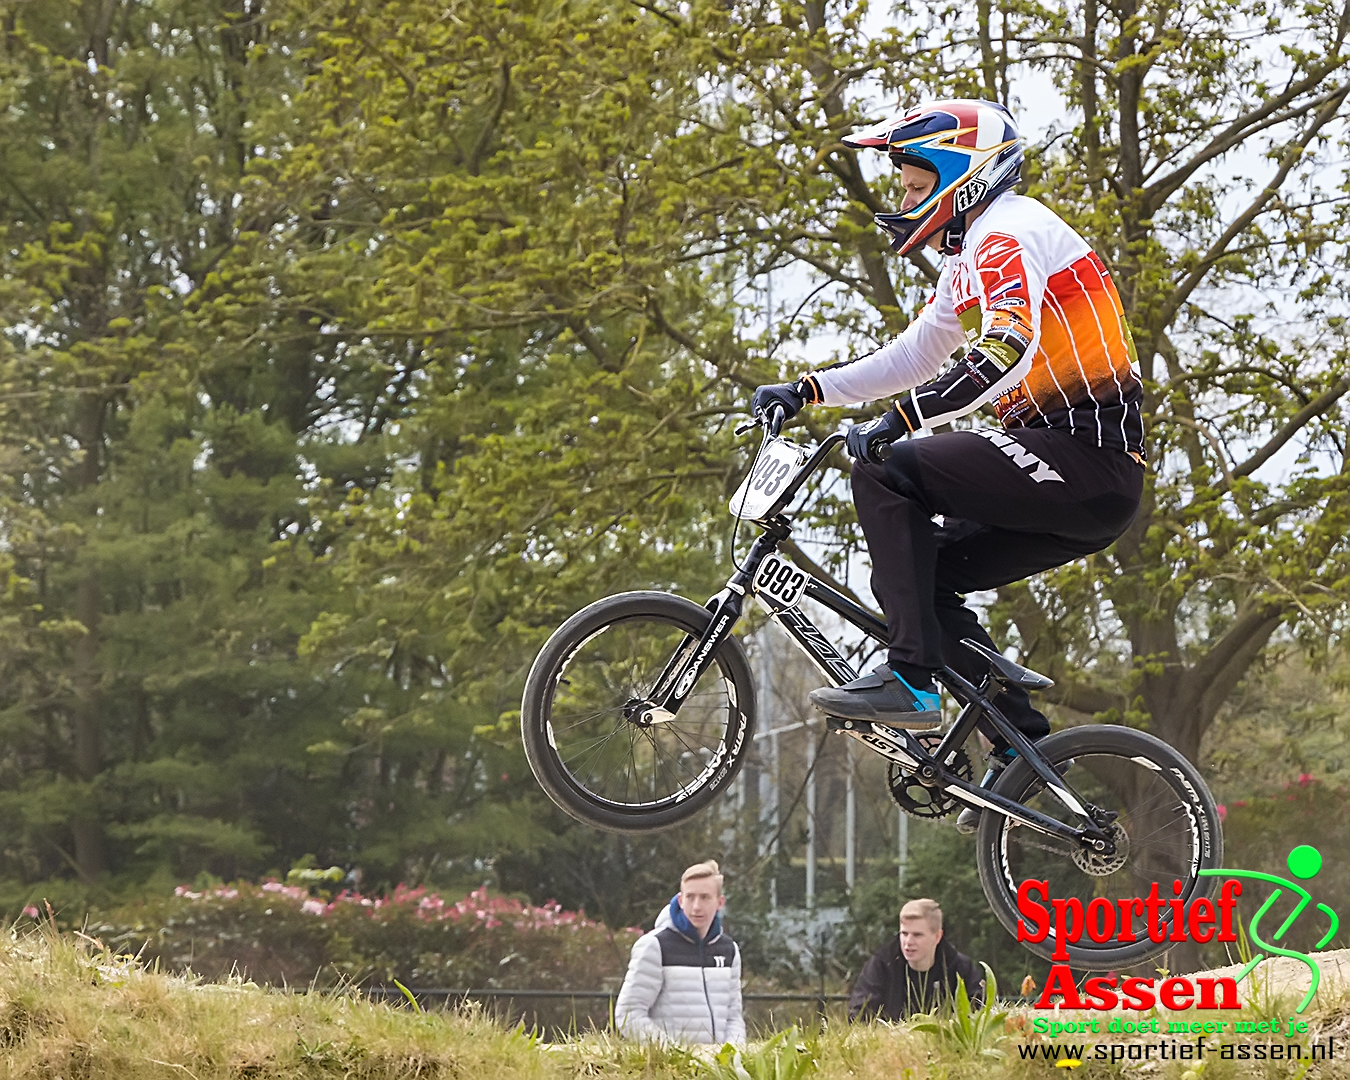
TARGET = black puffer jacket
(890,989)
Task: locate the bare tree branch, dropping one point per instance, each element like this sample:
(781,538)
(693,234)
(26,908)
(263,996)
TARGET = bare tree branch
(1309,412)
(1219,248)
(809,564)
(1256,621)
(1240,130)
(592,344)
(490,124)
(1071,692)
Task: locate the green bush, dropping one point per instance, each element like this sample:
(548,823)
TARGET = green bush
(288,935)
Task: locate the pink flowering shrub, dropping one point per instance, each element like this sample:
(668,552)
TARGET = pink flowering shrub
(281,934)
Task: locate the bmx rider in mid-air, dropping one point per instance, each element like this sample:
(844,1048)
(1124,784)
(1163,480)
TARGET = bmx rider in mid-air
(1042,336)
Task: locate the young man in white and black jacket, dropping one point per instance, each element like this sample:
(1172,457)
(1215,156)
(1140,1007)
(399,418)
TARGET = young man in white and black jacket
(684,979)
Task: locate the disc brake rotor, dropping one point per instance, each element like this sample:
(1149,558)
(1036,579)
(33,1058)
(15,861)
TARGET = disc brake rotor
(1098,865)
(917,799)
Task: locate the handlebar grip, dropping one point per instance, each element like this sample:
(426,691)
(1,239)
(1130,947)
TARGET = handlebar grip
(883,450)
(777,414)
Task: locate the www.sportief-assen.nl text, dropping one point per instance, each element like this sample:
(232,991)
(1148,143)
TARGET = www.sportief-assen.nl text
(1177,1050)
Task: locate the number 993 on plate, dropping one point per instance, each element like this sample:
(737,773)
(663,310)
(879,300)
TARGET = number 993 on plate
(779,583)
(778,463)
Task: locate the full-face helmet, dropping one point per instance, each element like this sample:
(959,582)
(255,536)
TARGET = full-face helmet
(973,147)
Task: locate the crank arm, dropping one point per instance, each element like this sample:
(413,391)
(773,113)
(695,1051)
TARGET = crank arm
(885,741)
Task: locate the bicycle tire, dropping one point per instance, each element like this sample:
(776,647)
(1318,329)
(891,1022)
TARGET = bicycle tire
(1167,813)
(721,762)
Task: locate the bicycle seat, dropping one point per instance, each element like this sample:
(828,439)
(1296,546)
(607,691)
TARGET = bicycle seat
(1007,671)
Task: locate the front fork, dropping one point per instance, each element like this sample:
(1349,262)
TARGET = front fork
(695,655)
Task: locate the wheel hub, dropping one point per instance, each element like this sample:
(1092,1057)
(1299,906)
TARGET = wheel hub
(1104,863)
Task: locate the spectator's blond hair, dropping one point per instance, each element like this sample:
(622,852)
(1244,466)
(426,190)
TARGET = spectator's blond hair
(707,869)
(925,909)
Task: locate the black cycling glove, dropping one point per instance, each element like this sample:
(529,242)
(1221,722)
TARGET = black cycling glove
(791,396)
(862,440)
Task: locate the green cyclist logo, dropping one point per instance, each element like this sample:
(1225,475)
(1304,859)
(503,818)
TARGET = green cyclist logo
(1305,862)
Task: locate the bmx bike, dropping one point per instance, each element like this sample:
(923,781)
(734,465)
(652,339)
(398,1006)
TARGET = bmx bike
(639,711)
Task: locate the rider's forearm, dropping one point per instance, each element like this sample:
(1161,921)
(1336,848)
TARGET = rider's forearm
(969,384)
(914,357)
(1000,361)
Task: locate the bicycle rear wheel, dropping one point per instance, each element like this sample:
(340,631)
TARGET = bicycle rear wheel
(580,720)
(1167,830)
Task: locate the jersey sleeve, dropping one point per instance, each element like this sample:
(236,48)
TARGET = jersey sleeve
(917,354)
(1009,291)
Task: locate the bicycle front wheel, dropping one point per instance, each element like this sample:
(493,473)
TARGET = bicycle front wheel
(1166,830)
(581,717)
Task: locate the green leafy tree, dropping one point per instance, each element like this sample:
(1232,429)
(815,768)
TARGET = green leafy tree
(1197,152)
(155,709)
(1200,159)
(348,347)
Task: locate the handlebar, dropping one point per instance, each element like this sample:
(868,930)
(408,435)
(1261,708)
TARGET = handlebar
(772,418)
(777,415)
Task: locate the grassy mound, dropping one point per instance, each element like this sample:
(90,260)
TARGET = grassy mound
(71,1008)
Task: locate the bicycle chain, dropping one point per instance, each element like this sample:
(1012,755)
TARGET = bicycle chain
(1112,863)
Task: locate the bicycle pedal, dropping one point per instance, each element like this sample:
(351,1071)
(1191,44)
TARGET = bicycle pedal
(838,723)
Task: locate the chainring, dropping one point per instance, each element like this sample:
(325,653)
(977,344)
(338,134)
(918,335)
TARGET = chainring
(917,799)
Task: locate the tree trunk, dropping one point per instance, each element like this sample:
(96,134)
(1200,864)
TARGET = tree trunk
(90,854)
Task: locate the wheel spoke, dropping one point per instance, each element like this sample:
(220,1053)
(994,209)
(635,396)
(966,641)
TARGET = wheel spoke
(1158,835)
(606,672)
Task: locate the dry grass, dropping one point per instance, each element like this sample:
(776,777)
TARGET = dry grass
(70,1009)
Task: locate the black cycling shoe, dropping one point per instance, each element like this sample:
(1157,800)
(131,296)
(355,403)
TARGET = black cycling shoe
(882,697)
(968,821)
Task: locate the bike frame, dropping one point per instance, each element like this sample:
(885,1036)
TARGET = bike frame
(694,656)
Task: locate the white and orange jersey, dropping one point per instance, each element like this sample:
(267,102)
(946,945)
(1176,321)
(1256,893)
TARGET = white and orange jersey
(1043,331)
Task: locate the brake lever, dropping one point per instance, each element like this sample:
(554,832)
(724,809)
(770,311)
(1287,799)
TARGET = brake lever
(774,417)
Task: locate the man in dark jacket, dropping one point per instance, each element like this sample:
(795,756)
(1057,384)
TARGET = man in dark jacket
(915,971)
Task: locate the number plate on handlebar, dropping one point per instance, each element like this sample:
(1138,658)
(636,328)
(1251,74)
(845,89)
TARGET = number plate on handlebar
(779,582)
(778,462)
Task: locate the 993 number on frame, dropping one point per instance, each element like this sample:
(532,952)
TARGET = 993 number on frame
(779,582)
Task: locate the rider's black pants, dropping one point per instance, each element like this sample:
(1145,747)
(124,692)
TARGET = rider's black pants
(1013,504)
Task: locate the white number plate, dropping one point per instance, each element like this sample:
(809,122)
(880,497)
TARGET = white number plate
(778,463)
(780,582)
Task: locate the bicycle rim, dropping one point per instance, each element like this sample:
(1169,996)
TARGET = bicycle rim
(1165,833)
(601,749)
